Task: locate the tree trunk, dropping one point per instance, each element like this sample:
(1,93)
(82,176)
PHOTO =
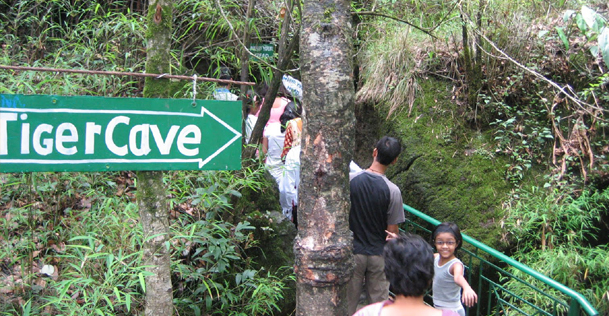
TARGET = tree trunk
(152,203)
(285,52)
(244,66)
(323,247)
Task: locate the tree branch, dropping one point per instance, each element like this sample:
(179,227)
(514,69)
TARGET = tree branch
(396,19)
(282,63)
(569,94)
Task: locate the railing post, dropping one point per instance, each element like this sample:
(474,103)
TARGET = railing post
(480,269)
(574,308)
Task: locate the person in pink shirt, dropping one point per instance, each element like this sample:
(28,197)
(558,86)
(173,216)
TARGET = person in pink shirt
(273,137)
(281,100)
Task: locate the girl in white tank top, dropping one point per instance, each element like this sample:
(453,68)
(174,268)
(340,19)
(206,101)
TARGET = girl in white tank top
(448,271)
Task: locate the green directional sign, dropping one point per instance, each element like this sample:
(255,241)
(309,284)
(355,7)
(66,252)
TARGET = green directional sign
(58,133)
(262,51)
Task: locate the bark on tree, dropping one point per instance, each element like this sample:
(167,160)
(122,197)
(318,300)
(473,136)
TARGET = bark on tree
(152,203)
(323,247)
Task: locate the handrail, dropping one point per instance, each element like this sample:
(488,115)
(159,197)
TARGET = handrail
(583,302)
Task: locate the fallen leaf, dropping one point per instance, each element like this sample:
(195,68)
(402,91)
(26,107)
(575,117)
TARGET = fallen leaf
(61,247)
(6,289)
(55,275)
(85,203)
(41,282)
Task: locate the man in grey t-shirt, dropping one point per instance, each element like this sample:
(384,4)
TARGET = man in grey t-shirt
(376,206)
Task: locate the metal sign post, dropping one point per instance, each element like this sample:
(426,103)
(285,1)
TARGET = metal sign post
(58,133)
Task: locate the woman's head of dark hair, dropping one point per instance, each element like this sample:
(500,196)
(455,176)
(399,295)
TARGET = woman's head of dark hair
(292,110)
(448,227)
(387,149)
(262,89)
(283,92)
(408,265)
(249,97)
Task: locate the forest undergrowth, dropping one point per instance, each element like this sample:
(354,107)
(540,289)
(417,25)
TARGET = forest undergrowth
(71,244)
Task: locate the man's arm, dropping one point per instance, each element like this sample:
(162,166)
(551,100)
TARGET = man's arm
(265,145)
(393,229)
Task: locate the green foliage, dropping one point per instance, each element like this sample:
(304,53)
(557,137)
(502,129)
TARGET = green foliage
(455,174)
(68,34)
(556,234)
(215,275)
(593,26)
(85,225)
(86,237)
(521,133)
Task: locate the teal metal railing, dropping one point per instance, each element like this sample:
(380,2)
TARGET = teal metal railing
(488,279)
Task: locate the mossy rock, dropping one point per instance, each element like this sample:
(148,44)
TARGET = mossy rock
(447,170)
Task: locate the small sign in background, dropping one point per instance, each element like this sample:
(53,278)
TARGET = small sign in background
(262,51)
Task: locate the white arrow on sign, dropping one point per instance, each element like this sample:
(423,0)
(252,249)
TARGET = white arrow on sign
(200,161)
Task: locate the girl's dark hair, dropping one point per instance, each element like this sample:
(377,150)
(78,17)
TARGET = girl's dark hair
(292,110)
(448,227)
(408,265)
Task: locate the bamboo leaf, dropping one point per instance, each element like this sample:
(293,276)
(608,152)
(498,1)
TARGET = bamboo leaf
(568,15)
(603,44)
(563,37)
(589,16)
(142,281)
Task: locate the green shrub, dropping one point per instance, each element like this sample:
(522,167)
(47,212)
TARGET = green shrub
(556,234)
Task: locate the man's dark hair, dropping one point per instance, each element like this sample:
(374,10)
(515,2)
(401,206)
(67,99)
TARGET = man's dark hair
(448,227)
(283,92)
(224,73)
(408,265)
(388,148)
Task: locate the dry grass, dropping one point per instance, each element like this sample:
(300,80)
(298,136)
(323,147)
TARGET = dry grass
(390,68)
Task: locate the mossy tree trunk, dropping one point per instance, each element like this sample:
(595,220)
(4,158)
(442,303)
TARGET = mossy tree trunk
(152,203)
(323,247)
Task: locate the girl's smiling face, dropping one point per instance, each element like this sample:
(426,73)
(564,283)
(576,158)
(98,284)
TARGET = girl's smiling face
(446,245)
